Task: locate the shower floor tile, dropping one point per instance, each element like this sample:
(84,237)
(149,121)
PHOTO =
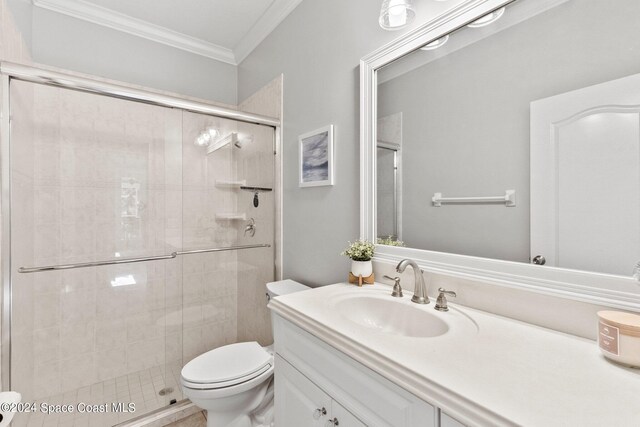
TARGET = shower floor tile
(140,388)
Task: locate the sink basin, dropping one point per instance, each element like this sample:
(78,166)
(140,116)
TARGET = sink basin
(392,316)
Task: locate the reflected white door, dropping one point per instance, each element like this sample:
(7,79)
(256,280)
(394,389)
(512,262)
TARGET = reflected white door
(585,178)
(387,192)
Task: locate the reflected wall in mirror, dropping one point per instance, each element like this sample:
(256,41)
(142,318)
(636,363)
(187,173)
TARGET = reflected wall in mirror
(543,102)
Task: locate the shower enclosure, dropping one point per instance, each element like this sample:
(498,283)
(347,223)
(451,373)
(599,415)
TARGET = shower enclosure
(124,247)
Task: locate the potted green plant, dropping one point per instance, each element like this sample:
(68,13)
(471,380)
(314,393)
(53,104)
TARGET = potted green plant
(360,252)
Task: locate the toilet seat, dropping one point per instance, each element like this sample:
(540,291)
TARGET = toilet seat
(226,384)
(227,366)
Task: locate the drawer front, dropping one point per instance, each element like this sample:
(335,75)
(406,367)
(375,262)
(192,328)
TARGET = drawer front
(371,398)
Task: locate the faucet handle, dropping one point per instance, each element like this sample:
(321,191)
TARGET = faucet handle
(441,302)
(397,289)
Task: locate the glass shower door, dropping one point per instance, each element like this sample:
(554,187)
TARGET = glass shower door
(94,178)
(125,187)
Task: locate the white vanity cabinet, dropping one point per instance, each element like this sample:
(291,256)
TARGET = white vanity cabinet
(311,376)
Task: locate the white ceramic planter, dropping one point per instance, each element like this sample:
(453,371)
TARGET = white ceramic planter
(361,268)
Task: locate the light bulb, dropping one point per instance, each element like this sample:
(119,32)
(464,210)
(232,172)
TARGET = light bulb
(396,14)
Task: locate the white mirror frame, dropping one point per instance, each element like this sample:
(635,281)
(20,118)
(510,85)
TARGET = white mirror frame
(602,289)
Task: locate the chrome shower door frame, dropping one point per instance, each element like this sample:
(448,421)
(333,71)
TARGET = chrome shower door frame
(10,71)
(5,233)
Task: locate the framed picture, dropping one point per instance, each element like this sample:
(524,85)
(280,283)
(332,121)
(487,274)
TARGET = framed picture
(316,157)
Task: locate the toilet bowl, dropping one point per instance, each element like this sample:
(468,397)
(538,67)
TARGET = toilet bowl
(231,382)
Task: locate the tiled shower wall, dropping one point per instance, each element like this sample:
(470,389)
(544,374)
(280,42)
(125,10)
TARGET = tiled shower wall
(117,179)
(13,48)
(257,266)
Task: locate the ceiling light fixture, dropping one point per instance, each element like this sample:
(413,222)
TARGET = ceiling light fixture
(436,43)
(396,14)
(487,19)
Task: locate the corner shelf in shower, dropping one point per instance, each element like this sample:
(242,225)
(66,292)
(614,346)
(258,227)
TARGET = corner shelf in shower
(231,217)
(225,183)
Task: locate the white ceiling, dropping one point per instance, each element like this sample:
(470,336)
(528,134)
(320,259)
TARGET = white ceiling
(226,30)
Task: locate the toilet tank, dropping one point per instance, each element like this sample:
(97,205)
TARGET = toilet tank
(283,287)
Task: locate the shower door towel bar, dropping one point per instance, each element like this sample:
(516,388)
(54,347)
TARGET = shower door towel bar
(509,199)
(132,260)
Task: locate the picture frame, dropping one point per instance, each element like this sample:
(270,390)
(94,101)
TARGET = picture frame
(316,157)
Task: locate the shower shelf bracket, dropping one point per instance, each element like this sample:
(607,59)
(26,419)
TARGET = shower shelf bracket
(224,183)
(231,138)
(231,217)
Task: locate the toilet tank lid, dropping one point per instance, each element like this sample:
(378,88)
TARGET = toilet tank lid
(283,287)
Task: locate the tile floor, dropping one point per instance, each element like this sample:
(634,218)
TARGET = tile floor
(195,420)
(140,388)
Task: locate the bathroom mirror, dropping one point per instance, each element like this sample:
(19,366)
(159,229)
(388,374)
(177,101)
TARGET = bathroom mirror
(503,138)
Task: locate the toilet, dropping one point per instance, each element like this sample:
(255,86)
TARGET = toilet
(231,382)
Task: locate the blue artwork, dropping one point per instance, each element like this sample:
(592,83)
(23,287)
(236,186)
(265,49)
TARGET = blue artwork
(315,158)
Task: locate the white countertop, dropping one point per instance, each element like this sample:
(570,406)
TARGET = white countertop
(517,372)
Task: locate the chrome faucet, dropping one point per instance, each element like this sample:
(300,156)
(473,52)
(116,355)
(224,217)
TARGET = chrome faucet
(420,292)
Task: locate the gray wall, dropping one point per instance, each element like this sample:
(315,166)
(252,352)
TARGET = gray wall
(466,120)
(69,43)
(20,12)
(318,48)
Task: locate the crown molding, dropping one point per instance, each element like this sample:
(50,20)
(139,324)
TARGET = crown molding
(117,21)
(99,15)
(274,15)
